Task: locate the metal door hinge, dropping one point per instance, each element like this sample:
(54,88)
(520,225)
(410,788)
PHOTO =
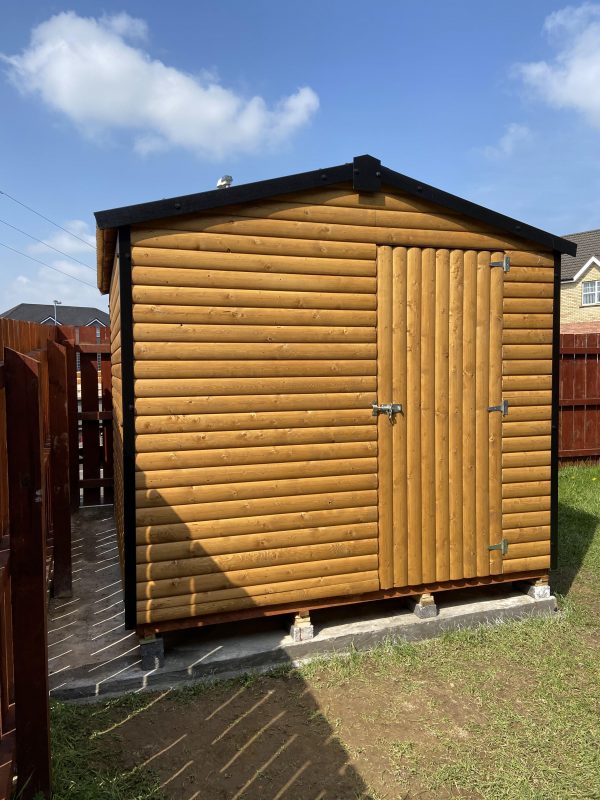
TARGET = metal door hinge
(502,546)
(387,408)
(505,263)
(503,407)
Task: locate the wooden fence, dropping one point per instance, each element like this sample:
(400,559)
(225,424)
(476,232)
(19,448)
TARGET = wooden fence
(55,452)
(95,479)
(579,396)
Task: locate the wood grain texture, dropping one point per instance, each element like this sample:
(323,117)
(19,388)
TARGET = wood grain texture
(469,412)
(257,263)
(484,355)
(495,429)
(385,293)
(442,418)
(413,414)
(399,393)
(261,524)
(234,586)
(190,567)
(261,454)
(222,545)
(455,412)
(428,394)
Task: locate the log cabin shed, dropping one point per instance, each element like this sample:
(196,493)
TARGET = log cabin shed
(329,387)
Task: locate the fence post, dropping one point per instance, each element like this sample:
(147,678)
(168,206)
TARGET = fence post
(66,337)
(59,439)
(90,424)
(28,567)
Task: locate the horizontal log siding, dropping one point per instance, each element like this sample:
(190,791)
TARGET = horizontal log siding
(527,379)
(255,337)
(256,448)
(117,403)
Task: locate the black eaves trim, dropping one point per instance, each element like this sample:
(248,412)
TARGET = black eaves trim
(366,175)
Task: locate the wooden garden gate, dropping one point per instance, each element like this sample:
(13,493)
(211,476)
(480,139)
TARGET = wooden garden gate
(439,361)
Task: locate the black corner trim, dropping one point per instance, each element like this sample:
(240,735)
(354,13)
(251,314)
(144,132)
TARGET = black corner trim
(128,500)
(369,178)
(554,538)
(366,174)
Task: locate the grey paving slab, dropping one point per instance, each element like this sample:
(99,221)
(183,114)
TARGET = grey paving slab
(92,655)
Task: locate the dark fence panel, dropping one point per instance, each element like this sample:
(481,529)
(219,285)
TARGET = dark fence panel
(95,416)
(579,396)
(42,469)
(30,509)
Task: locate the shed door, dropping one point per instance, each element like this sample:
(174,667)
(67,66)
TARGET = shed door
(439,355)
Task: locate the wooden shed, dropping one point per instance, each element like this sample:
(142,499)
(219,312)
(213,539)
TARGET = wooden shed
(328,387)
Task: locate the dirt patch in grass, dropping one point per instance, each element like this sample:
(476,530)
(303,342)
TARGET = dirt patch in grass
(285,737)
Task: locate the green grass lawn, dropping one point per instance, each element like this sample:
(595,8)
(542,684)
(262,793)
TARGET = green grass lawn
(509,712)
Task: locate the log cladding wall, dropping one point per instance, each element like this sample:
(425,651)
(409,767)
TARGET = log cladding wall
(255,357)
(117,400)
(526,431)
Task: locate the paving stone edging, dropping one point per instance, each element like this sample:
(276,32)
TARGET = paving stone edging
(229,657)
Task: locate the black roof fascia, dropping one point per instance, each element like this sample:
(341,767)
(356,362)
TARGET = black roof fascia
(481,213)
(217,198)
(365,173)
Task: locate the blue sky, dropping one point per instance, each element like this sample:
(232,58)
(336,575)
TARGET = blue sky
(107,105)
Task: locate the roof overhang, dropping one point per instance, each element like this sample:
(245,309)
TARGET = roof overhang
(365,173)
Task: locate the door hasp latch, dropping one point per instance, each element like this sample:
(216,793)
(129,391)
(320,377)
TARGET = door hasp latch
(387,408)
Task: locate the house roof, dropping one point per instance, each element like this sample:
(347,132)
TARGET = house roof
(588,246)
(365,173)
(78,316)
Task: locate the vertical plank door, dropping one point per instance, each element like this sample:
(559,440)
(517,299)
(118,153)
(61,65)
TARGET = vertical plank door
(439,355)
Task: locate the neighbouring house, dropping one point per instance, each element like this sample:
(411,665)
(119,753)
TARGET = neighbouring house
(580,284)
(77,316)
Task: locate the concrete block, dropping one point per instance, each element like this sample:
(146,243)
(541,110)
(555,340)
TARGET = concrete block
(537,590)
(152,652)
(302,629)
(423,606)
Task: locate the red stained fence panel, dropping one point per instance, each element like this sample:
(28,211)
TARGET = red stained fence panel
(55,452)
(579,396)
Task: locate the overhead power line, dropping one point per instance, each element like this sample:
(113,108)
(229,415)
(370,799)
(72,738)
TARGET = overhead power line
(43,263)
(41,241)
(56,225)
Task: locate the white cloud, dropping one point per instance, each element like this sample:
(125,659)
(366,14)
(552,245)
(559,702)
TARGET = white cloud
(514,135)
(43,285)
(89,70)
(68,244)
(572,79)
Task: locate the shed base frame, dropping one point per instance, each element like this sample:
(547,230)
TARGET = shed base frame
(151,629)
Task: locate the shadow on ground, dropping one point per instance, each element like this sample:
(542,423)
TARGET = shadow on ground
(261,740)
(576,529)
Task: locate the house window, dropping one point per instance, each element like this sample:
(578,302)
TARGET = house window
(591,293)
